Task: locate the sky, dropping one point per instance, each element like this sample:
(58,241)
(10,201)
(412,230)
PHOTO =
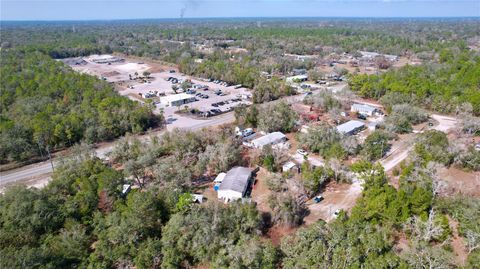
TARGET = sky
(141,9)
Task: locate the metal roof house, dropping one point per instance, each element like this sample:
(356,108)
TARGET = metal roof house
(289,166)
(363,109)
(268,139)
(299,71)
(297,78)
(350,127)
(177,99)
(235,184)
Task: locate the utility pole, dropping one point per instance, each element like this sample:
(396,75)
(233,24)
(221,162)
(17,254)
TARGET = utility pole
(50,157)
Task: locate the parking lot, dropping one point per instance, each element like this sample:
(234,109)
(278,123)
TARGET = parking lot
(211,97)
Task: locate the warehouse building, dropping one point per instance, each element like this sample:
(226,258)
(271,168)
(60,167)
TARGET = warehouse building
(235,184)
(351,127)
(177,99)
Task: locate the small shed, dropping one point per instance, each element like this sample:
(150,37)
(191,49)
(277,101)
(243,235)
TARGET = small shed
(197,198)
(126,188)
(290,166)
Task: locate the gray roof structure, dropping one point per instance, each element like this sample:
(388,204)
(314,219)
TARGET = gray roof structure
(363,108)
(236,179)
(350,126)
(268,139)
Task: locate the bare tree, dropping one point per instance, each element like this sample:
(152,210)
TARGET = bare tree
(425,231)
(473,240)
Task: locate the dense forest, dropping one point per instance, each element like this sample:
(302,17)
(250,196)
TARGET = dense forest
(441,87)
(45,106)
(270,36)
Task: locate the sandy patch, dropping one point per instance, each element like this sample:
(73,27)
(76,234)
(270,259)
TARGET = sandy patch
(460,182)
(132,67)
(336,196)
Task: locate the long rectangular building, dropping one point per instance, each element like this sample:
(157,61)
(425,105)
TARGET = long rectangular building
(350,127)
(177,99)
(268,139)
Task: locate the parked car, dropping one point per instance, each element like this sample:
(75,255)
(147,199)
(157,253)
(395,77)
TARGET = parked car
(171,71)
(362,117)
(318,198)
(302,152)
(170,119)
(336,213)
(247,132)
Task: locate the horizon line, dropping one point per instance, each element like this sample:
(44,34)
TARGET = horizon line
(247,17)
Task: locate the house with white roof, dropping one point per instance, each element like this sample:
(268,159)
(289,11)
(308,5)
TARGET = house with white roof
(363,109)
(350,127)
(268,139)
(177,99)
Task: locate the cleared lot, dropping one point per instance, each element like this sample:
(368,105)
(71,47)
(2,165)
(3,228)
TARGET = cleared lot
(336,197)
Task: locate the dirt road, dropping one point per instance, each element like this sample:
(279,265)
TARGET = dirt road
(400,153)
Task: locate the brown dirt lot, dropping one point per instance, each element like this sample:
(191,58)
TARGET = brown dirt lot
(460,182)
(276,233)
(336,196)
(260,191)
(458,243)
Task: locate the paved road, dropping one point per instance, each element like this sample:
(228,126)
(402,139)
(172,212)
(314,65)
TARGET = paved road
(43,169)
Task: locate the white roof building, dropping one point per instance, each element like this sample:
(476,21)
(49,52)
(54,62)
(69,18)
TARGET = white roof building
(268,139)
(288,166)
(371,55)
(363,109)
(350,127)
(235,184)
(197,198)
(298,78)
(177,99)
(220,177)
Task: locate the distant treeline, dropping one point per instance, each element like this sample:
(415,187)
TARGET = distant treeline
(261,37)
(46,105)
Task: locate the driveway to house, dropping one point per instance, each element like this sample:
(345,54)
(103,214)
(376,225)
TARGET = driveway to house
(400,152)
